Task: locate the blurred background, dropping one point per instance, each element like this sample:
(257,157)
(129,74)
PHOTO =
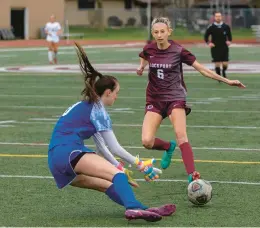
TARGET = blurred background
(125,19)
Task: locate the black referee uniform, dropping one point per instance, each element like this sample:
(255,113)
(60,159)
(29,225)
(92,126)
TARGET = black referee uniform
(220,33)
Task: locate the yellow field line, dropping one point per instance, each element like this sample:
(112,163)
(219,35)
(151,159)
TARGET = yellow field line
(158,159)
(24,155)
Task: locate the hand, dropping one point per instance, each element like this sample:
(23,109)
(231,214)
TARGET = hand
(150,174)
(156,170)
(140,70)
(236,83)
(211,45)
(228,43)
(146,167)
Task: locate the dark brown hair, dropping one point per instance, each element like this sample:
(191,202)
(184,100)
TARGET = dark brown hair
(95,82)
(217,12)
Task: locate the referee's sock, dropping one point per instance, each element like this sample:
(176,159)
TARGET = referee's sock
(224,71)
(217,69)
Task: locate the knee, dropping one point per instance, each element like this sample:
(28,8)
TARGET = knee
(181,137)
(148,142)
(225,66)
(217,64)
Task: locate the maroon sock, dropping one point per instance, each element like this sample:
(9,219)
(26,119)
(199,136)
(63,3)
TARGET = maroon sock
(187,157)
(160,144)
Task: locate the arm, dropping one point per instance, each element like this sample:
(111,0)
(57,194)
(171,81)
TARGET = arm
(143,61)
(59,32)
(112,143)
(207,34)
(118,150)
(206,37)
(46,29)
(210,74)
(146,167)
(143,64)
(102,148)
(229,34)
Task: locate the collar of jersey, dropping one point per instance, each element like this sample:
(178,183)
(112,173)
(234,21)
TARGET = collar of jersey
(218,24)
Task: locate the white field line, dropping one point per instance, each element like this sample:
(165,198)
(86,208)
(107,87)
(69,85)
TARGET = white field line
(34,107)
(129,109)
(72,47)
(8,56)
(138,147)
(7,121)
(167,126)
(131,44)
(211,99)
(130,74)
(43,119)
(72,52)
(193,126)
(142,180)
(193,88)
(122,88)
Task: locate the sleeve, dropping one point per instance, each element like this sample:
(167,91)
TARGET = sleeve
(100,118)
(102,148)
(144,53)
(187,57)
(58,26)
(229,34)
(207,34)
(46,27)
(116,148)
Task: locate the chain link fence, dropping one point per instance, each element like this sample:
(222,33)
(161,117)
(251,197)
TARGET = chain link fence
(192,19)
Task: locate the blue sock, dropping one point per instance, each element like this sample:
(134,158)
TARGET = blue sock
(125,192)
(111,193)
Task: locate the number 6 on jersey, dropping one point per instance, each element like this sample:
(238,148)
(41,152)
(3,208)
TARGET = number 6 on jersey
(160,73)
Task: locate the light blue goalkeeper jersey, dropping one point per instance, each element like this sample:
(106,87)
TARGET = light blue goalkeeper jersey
(79,122)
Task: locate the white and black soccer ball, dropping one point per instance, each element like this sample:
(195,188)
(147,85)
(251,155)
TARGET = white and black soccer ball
(199,192)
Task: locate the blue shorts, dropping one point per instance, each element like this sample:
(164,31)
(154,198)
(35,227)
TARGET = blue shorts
(59,161)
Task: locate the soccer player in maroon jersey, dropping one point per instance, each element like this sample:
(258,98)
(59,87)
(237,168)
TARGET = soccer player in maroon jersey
(166,93)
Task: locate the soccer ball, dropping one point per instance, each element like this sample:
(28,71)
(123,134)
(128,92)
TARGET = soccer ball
(199,192)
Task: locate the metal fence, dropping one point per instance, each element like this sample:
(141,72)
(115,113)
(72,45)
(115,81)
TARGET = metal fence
(194,19)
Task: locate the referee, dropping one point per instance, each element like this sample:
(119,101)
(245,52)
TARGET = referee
(221,38)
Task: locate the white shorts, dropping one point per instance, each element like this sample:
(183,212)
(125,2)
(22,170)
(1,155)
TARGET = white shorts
(54,39)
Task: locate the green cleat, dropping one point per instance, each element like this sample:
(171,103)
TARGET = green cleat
(167,155)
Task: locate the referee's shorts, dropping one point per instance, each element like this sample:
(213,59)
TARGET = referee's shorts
(220,54)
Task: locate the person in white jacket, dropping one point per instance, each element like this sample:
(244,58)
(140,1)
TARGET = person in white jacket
(53,32)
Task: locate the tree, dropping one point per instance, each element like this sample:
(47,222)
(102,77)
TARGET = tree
(96,16)
(100,15)
(255,3)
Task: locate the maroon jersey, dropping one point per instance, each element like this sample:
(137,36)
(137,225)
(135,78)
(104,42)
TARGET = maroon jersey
(165,71)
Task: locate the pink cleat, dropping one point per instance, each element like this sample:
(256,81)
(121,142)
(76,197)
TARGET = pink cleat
(133,214)
(165,210)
